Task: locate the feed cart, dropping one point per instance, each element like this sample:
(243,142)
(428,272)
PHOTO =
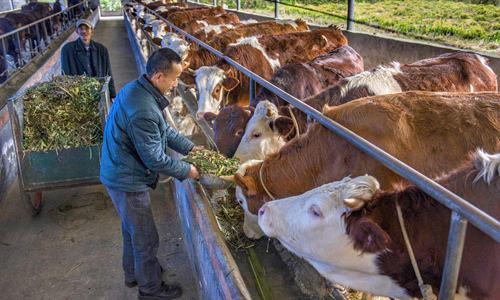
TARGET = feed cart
(44,171)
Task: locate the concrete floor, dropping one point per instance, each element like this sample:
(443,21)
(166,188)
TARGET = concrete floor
(112,34)
(72,250)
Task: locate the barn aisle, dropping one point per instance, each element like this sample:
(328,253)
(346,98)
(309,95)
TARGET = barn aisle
(72,250)
(111,32)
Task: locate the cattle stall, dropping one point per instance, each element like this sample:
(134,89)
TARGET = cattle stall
(463,212)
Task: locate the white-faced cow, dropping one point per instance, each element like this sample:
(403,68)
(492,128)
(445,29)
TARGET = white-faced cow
(349,231)
(300,80)
(454,72)
(431,132)
(263,56)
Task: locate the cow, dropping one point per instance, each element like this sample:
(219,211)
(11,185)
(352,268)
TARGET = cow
(300,80)
(185,16)
(349,231)
(431,132)
(197,57)
(262,55)
(452,72)
(225,18)
(27,36)
(7,50)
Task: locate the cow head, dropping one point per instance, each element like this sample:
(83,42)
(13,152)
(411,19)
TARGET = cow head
(263,133)
(246,188)
(177,44)
(159,29)
(312,224)
(212,84)
(229,127)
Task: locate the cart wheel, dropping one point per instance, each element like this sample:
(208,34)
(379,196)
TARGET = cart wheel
(37,203)
(34,200)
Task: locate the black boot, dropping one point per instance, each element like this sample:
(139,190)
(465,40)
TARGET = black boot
(166,292)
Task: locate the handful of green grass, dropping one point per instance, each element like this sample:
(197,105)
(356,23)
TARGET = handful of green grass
(62,113)
(212,163)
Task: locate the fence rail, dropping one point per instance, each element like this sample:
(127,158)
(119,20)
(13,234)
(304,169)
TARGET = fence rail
(463,211)
(22,45)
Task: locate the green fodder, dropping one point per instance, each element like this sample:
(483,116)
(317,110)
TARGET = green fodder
(62,113)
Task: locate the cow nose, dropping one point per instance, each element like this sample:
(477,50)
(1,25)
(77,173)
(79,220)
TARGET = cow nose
(261,211)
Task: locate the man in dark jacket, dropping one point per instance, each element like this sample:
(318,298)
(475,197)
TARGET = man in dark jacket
(136,138)
(86,57)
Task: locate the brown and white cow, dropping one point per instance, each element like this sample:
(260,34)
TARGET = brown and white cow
(300,80)
(349,231)
(221,19)
(196,57)
(262,55)
(185,16)
(453,72)
(431,132)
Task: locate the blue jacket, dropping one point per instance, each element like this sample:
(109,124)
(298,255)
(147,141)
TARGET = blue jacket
(135,141)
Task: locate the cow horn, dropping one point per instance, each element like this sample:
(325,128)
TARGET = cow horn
(191,71)
(354,203)
(227,178)
(269,112)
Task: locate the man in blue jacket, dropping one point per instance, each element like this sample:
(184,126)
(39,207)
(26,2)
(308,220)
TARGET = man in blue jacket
(136,138)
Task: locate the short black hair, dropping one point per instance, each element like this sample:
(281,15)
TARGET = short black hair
(161,61)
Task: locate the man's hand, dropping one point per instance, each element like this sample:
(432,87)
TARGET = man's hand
(193,173)
(198,148)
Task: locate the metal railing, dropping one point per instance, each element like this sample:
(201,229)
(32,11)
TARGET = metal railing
(462,211)
(22,45)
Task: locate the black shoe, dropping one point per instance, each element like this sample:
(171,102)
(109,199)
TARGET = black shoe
(133,283)
(166,292)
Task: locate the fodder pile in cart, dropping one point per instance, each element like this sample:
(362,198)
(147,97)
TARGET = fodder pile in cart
(62,113)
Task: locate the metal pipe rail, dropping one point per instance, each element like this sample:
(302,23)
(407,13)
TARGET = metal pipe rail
(35,47)
(462,210)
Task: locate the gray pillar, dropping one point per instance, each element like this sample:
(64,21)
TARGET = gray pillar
(238,4)
(276,9)
(350,15)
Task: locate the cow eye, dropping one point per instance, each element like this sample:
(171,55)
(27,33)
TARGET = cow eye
(240,202)
(315,211)
(239,132)
(256,135)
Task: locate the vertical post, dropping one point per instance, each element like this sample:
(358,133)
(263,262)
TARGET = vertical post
(456,240)
(252,90)
(19,47)
(214,2)
(350,15)
(276,9)
(11,4)
(238,4)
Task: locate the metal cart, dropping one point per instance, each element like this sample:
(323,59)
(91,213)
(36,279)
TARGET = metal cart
(44,171)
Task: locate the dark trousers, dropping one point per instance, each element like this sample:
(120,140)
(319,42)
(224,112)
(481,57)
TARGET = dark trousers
(140,239)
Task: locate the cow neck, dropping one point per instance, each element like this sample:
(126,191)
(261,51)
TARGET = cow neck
(421,214)
(294,169)
(201,58)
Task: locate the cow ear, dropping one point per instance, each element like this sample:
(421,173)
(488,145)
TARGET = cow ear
(209,116)
(249,111)
(368,236)
(354,203)
(282,125)
(188,79)
(230,83)
(247,183)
